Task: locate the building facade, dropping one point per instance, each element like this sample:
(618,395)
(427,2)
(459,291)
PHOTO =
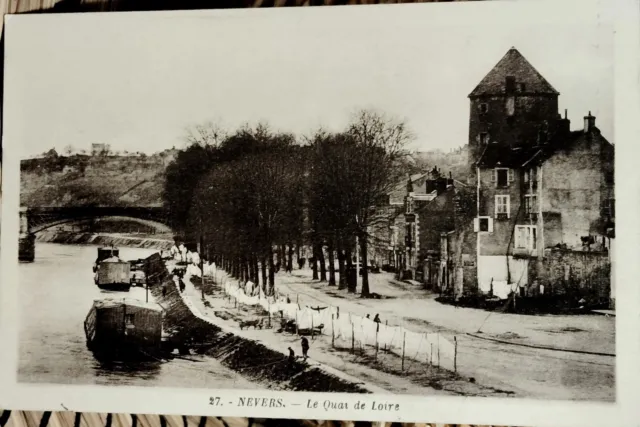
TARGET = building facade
(544,193)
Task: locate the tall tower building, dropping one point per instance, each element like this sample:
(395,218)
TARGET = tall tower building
(512,106)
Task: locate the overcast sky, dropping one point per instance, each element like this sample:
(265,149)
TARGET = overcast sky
(137,81)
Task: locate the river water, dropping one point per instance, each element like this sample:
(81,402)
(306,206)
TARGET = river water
(56,293)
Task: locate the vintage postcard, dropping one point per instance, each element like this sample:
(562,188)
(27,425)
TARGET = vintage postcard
(395,212)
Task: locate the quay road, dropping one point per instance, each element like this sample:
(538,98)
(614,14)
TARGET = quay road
(56,292)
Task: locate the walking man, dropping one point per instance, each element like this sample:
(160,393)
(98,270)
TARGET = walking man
(305,347)
(182,285)
(292,357)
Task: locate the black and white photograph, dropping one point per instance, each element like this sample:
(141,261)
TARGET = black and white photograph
(330,201)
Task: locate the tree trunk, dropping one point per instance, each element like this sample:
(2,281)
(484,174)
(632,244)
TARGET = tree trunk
(323,264)
(272,275)
(283,255)
(245,267)
(298,250)
(332,262)
(314,262)
(365,266)
(254,265)
(263,265)
(342,279)
(349,259)
(290,258)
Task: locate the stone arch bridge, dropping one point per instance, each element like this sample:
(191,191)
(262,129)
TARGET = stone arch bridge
(43,218)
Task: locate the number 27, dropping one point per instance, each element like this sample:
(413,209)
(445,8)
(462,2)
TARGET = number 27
(215,401)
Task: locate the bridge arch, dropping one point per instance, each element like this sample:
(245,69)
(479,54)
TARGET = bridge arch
(152,218)
(156,226)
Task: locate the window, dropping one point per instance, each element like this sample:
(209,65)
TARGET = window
(510,84)
(542,136)
(609,178)
(531,177)
(129,318)
(484,138)
(530,204)
(502,206)
(522,87)
(502,177)
(484,108)
(483,224)
(409,205)
(511,106)
(609,208)
(526,237)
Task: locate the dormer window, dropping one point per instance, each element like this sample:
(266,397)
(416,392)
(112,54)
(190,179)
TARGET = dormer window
(522,87)
(484,108)
(484,138)
(510,84)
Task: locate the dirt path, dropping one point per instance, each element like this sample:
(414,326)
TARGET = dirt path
(385,371)
(527,371)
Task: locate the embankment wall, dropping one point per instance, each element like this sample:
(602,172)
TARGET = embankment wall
(251,359)
(74,238)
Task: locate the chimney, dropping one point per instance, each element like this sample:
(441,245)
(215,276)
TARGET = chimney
(589,123)
(564,124)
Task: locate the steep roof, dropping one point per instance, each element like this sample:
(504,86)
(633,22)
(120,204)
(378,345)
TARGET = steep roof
(516,65)
(495,155)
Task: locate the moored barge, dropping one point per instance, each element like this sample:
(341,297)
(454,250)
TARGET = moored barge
(124,329)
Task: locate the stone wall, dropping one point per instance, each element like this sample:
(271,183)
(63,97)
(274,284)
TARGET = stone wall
(576,274)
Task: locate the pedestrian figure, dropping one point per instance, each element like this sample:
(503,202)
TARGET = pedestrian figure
(164,290)
(182,285)
(292,357)
(301,262)
(288,300)
(277,267)
(367,316)
(376,318)
(305,347)
(289,267)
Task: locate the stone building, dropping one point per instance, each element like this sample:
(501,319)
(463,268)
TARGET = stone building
(545,201)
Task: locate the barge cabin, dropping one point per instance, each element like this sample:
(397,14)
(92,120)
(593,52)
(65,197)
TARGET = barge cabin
(113,274)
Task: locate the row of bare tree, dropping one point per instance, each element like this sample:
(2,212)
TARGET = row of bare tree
(253,194)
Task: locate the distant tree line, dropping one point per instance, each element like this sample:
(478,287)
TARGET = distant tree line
(254,195)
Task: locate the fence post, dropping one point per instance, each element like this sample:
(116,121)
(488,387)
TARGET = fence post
(377,346)
(431,356)
(455,354)
(438,338)
(353,340)
(404,339)
(333,333)
(338,314)
(311,326)
(297,323)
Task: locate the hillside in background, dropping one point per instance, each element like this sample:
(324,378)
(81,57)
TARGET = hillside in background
(109,180)
(454,161)
(82,180)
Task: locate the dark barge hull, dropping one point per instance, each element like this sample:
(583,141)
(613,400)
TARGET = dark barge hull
(124,329)
(115,287)
(27,248)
